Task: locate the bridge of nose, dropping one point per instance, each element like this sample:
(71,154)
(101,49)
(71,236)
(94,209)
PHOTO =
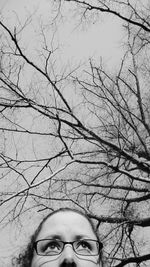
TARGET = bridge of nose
(68,254)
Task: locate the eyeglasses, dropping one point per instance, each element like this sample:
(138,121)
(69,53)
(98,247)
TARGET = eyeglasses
(52,247)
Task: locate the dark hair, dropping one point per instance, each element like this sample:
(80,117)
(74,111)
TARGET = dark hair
(25,258)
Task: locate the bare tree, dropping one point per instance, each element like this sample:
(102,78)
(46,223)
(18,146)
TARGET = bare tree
(80,139)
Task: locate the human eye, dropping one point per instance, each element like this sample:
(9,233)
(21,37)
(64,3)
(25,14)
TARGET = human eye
(50,247)
(84,246)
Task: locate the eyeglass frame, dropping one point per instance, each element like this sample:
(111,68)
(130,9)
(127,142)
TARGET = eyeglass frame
(100,246)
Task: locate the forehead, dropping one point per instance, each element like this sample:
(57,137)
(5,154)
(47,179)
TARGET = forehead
(67,225)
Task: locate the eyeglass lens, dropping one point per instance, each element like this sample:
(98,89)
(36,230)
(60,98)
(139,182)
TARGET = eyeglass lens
(50,247)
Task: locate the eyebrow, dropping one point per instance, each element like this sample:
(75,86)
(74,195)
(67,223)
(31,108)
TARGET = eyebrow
(78,237)
(60,237)
(54,236)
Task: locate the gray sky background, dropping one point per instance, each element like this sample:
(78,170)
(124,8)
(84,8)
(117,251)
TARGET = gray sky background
(101,39)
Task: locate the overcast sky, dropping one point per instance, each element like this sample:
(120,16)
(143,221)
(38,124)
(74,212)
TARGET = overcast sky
(101,39)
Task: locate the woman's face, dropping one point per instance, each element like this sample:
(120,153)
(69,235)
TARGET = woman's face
(66,226)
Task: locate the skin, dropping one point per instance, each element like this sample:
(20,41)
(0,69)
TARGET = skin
(68,226)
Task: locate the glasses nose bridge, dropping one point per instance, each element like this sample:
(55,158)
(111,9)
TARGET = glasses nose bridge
(68,243)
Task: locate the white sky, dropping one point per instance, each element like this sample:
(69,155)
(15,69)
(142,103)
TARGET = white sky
(98,40)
